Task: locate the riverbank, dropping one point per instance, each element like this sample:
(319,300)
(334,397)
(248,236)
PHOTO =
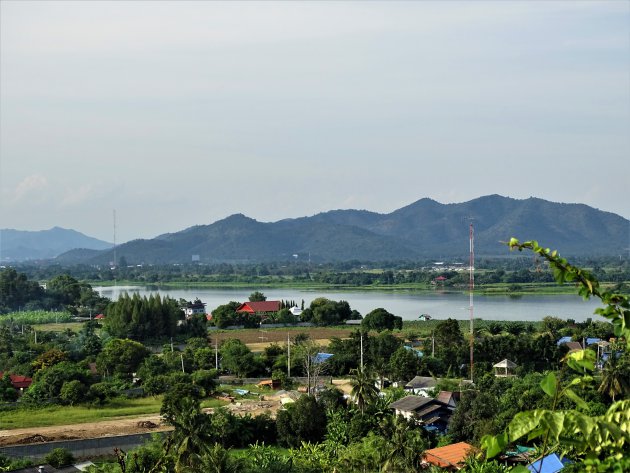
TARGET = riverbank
(500,289)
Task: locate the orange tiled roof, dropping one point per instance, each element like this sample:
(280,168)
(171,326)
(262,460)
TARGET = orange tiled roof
(448,456)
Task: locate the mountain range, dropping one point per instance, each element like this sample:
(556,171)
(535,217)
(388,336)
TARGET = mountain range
(424,229)
(20,245)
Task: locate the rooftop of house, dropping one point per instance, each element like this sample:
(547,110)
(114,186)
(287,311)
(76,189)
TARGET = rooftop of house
(421,382)
(18,381)
(412,403)
(453,455)
(259,306)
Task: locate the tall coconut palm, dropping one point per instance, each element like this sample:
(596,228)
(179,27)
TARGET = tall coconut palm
(363,387)
(615,375)
(191,436)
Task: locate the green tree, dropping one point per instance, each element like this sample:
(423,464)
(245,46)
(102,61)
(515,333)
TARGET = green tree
(72,392)
(379,320)
(302,421)
(450,346)
(16,290)
(404,364)
(192,434)
(257,296)
(121,357)
(615,374)
(225,315)
(236,357)
(363,388)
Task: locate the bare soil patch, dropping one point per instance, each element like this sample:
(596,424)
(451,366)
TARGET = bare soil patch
(108,428)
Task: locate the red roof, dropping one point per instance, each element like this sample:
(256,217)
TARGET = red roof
(440,278)
(261,306)
(18,381)
(453,455)
(99,316)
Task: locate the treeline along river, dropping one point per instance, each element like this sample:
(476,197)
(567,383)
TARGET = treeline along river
(407,304)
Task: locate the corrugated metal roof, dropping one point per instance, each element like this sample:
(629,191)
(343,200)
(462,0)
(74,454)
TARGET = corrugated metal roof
(450,455)
(411,403)
(421,382)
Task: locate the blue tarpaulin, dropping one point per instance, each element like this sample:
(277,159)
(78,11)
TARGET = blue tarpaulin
(549,464)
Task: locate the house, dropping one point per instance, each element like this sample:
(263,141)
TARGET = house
(424,317)
(194,308)
(259,307)
(295,310)
(450,398)
(431,413)
(451,457)
(504,368)
(99,317)
(421,385)
(573,346)
(19,383)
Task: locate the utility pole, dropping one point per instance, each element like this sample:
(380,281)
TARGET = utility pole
(181,357)
(361,334)
(216,353)
(288,356)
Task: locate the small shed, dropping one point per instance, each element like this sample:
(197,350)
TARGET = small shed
(504,368)
(269,383)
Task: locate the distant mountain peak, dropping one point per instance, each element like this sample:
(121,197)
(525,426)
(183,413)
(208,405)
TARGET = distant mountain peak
(423,229)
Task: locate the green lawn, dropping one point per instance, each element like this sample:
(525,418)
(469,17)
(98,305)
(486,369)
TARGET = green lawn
(65,415)
(62,415)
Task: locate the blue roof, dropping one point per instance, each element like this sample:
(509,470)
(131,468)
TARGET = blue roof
(549,464)
(563,340)
(592,340)
(321,357)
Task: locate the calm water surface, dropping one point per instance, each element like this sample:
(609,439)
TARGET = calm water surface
(407,304)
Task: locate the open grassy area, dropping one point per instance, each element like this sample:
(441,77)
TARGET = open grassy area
(60,327)
(64,415)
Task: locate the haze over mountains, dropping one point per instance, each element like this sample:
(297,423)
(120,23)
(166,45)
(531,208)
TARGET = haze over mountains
(18,245)
(424,229)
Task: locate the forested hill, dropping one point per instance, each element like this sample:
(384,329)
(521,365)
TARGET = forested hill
(19,245)
(424,229)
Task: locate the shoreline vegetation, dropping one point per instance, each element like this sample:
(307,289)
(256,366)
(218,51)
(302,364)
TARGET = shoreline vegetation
(499,289)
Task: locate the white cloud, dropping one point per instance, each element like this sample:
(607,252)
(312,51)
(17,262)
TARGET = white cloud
(31,189)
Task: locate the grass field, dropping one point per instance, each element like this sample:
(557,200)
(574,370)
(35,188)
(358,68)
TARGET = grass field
(60,327)
(65,415)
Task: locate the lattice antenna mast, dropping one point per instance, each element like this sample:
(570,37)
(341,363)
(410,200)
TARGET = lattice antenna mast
(471,289)
(114,264)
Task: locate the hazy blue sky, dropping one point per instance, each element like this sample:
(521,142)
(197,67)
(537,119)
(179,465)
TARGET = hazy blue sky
(182,113)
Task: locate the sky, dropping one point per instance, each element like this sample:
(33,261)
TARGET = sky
(175,114)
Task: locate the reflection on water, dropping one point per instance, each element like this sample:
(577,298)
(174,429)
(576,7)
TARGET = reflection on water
(408,304)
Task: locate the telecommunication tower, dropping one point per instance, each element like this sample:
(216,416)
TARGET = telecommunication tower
(471,289)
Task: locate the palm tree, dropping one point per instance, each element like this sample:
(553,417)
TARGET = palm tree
(191,436)
(217,459)
(615,375)
(363,388)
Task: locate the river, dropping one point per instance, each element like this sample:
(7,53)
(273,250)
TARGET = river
(408,304)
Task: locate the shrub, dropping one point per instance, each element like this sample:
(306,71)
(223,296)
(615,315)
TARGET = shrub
(58,457)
